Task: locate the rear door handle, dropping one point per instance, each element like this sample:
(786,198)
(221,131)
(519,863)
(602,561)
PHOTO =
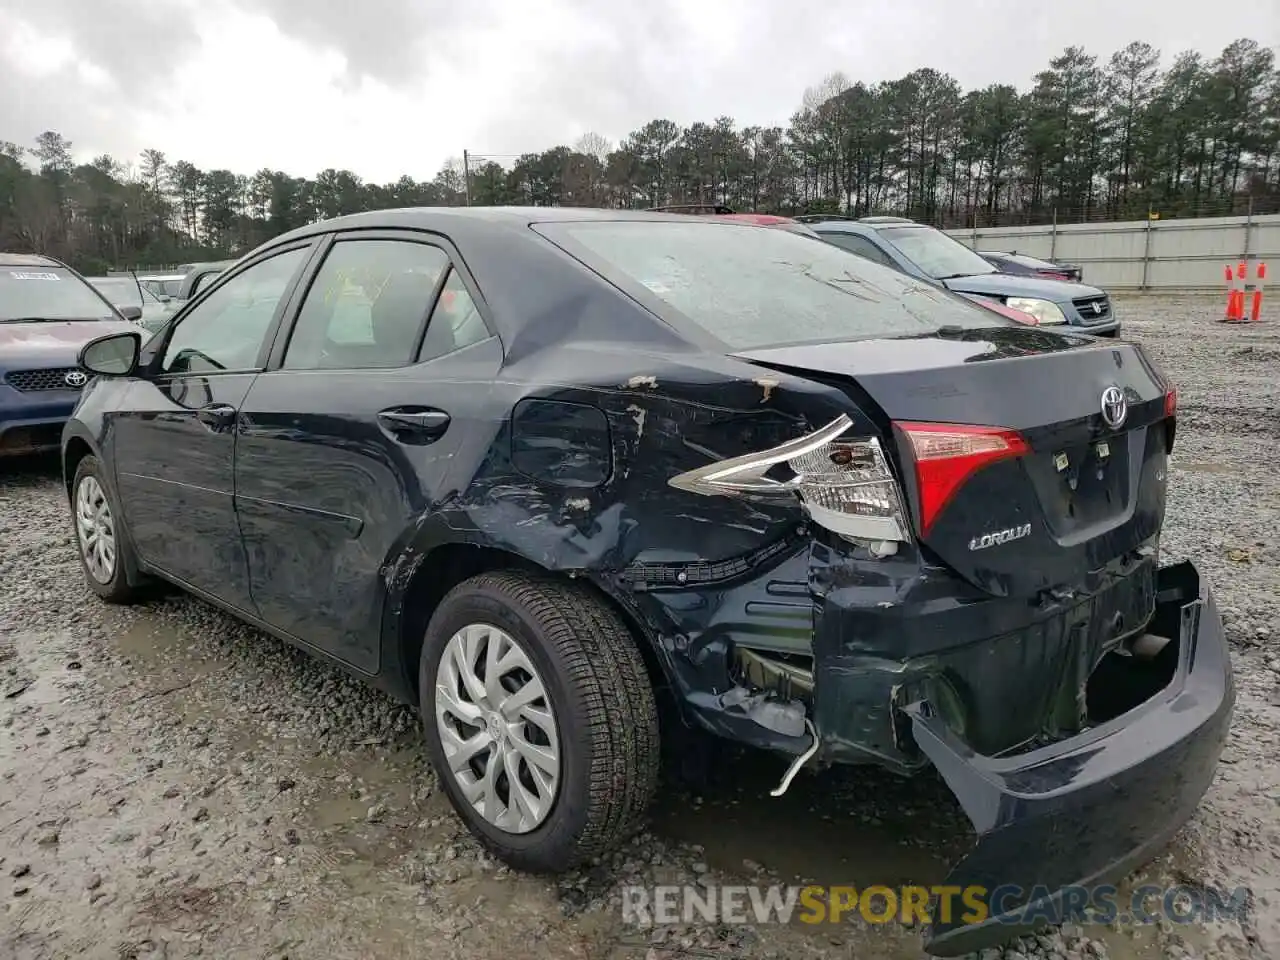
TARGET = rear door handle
(217,415)
(408,423)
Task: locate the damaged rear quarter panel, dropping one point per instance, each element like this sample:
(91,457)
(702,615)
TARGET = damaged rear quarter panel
(575,480)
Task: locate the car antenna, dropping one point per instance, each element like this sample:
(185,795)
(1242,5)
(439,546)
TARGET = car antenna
(137,283)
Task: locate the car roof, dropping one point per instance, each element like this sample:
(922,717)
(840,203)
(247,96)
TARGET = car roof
(27,260)
(463,223)
(865,225)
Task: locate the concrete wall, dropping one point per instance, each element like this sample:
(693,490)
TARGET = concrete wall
(1163,255)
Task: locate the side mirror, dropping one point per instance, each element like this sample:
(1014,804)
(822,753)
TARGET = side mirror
(131,313)
(115,355)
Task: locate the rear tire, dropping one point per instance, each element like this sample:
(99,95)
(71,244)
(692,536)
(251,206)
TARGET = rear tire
(101,544)
(571,647)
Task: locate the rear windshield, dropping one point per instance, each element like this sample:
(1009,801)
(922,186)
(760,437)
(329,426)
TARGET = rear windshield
(123,293)
(48,293)
(1031,261)
(753,287)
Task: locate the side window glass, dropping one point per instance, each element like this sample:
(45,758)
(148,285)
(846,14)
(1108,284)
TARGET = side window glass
(455,322)
(227,330)
(366,306)
(861,246)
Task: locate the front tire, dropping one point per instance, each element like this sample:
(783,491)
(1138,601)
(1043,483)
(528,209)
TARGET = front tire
(539,718)
(104,551)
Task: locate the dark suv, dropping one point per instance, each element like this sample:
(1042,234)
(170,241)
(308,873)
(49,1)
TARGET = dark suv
(931,255)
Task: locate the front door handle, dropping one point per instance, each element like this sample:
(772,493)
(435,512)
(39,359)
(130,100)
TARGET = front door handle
(217,415)
(409,423)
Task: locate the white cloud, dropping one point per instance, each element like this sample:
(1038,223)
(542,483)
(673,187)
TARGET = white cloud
(385,87)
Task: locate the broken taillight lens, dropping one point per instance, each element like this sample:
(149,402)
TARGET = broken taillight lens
(947,454)
(844,485)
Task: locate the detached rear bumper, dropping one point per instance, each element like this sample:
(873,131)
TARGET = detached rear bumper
(1090,808)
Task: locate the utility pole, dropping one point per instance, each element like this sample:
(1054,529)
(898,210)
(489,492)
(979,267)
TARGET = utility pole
(466,176)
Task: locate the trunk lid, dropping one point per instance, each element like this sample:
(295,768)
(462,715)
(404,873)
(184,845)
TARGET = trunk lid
(1084,492)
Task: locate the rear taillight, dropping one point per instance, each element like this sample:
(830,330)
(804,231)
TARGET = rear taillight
(845,485)
(947,454)
(1171,402)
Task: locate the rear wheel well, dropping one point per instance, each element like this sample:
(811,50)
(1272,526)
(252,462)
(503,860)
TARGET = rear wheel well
(447,566)
(77,450)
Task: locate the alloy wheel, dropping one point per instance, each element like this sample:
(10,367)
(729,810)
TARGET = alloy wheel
(96,530)
(497,727)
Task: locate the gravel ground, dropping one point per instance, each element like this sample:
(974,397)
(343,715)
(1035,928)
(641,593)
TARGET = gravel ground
(174,783)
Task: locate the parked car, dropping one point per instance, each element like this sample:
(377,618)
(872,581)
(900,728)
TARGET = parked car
(789,224)
(199,276)
(576,464)
(47,313)
(1020,265)
(128,292)
(930,254)
(164,287)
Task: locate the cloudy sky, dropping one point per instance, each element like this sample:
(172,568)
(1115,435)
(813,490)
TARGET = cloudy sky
(385,87)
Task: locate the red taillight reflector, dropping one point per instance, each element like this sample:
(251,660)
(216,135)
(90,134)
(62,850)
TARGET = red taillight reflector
(948,454)
(1171,402)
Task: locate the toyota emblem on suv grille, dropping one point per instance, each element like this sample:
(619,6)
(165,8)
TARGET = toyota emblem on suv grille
(75,378)
(1114,407)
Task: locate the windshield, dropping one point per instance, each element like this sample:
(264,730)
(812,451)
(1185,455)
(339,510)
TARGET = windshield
(935,253)
(752,287)
(121,292)
(48,293)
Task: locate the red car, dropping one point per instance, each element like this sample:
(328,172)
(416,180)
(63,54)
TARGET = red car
(728,213)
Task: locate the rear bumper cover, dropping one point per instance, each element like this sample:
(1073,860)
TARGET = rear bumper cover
(1087,809)
(900,681)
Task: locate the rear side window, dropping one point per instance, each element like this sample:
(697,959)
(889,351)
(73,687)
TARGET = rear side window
(367,306)
(750,287)
(455,321)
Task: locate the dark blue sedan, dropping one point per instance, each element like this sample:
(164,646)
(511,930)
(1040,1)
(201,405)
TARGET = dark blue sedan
(566,479)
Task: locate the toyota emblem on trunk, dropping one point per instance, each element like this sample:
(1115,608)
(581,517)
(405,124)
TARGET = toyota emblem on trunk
(75,379)
(1114,407)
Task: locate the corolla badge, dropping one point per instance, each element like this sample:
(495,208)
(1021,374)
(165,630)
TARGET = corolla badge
(1114,407)
(1000,536)
(76,378)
